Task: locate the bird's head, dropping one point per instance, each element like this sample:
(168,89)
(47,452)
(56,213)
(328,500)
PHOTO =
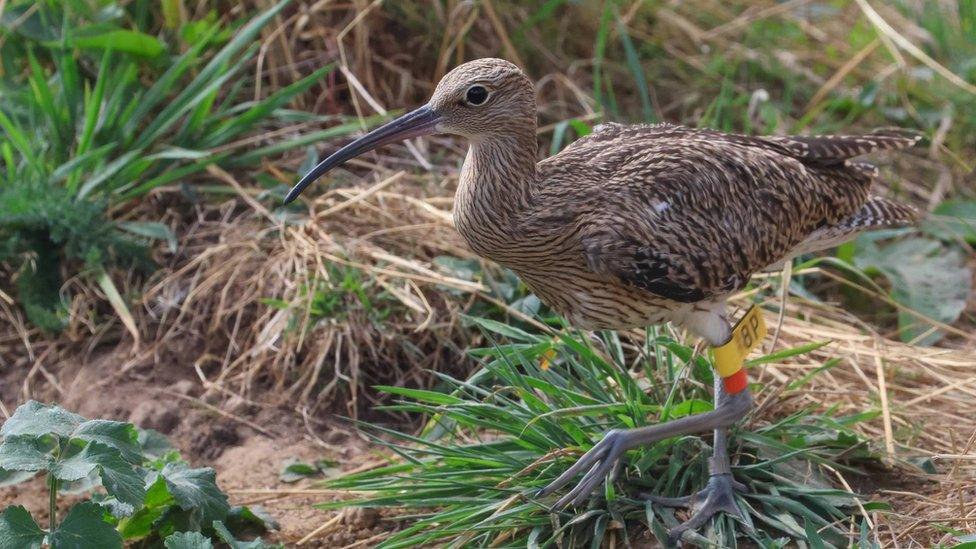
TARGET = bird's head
(478,100)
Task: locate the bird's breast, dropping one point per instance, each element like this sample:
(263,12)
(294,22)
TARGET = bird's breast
(511,242)
(595,302)
(553,266)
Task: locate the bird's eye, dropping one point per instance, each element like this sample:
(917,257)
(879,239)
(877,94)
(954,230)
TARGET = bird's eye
(476,95)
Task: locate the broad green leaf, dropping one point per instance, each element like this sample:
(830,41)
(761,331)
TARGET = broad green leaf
(154,444)
(73,468)
(18,530)
(224,534)
(581,128)
(157,501)
(467,269)
(119,435)
(953,219)
(690,407)
(9,478)
(85,528)
(242,517)
(118,477)
(196,489)
(188,540)
(120,40)
(24,453)
(34,418)
(925,277)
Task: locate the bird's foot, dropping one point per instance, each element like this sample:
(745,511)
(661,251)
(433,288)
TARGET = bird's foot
(600,463)
(603,460)
(717,496)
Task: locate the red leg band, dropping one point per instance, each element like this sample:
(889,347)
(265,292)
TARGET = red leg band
(736,383)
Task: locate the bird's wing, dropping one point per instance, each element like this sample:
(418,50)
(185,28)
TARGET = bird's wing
(690,214)
(876,213)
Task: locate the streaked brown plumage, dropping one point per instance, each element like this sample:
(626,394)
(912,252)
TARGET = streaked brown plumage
(633,225)
(637,225)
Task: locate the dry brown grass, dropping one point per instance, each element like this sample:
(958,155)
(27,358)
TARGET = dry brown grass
(204,309)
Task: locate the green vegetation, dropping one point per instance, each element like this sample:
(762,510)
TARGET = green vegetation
(115,116)
(77,141)
(540,402)
(150,494)
(346,291)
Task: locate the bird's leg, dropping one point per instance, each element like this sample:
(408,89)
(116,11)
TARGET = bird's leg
(604,458)
(719,494)
(732,401)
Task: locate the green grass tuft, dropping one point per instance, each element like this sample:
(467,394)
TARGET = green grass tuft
(538,403)
(78,141)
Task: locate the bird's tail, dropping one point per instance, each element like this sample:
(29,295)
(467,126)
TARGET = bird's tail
(830,149)
(876,213)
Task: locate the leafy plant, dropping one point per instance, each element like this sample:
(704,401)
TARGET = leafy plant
(83,24)
(150,493)
(294,470)
(925,276)
(345,292)
(953,220)
(540,402)
(42,228)
(76,142)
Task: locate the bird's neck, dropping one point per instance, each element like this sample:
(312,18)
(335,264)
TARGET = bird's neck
(496,188)
(500,171)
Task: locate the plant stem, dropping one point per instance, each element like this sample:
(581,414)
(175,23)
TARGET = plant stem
(52,482)
(52,501)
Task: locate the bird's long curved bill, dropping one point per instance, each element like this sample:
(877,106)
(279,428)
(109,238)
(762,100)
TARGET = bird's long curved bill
(419,122)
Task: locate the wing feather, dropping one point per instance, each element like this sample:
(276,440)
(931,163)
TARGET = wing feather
(689,214)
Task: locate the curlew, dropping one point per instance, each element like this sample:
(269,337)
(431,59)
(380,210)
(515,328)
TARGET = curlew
(634,225)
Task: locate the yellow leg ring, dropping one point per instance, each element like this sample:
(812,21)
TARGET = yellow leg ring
(747,333)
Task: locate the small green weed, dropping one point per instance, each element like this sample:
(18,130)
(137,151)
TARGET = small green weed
(540,402)
(294,470)
(150,494)
(346,291)
(503,285)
